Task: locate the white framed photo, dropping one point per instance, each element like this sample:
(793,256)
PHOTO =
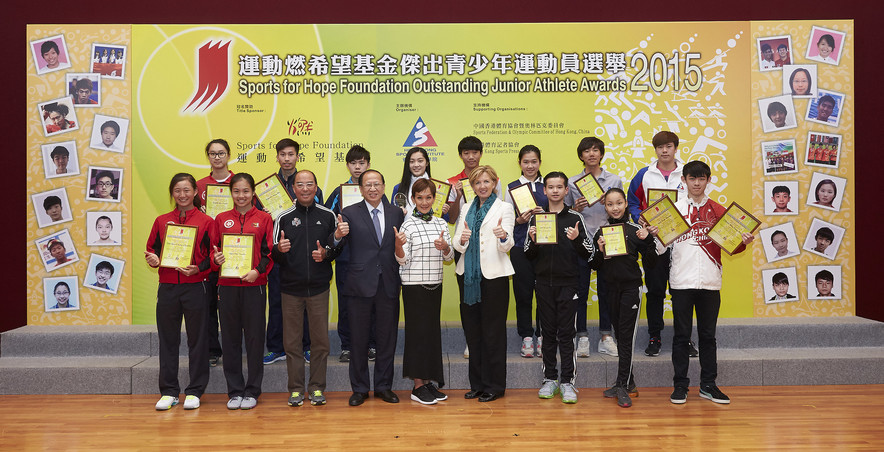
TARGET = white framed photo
(779,157)
(61,293)
(780,285)
(774,52)
(104,184)
(823,239)
(825,45)
(777,113)
(52,207)
(826,191)
(103,273)
(50,54)
(60,159)
(823,282)
(781,197)
(109,133)
(58,116)
(823,149)
(57,250)
(826,108)
(800,80)
(84,89)
(104,228)
(779,242)
(109,60)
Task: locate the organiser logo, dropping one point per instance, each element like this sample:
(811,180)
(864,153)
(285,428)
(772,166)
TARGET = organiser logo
(213,75)
(419,135)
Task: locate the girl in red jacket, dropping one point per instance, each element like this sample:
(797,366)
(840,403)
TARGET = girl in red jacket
(241,298)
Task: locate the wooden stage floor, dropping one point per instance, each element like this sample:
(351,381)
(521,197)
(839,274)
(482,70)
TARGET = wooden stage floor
(760,417)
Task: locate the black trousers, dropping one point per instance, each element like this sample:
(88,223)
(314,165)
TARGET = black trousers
(706,303)
(387,328)
(626,303)
(190,301)
(484,325)
(558,316)
(422,357)
(656,278)
(214,342)
(242,314)
(344,311)
(523,292)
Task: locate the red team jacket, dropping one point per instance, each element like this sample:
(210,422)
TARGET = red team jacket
(206,235)
(255,222)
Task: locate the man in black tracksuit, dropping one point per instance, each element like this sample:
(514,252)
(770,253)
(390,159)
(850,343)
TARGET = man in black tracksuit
(556,270)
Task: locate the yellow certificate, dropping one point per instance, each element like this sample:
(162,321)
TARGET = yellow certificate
(273,195)
(442,191)
(590,188)
(657,193)
(350,194)
(523,198)
(178,245)
(728,231)
(218,199)
(615,240)
(546,230)
(238,256)
(665,216)
(468,193)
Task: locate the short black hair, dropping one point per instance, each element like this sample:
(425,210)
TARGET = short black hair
(780,278)
(104,265)
(825,275)
(828,38)
(47,46)
(765,47)
(59,150)
(112,125)
(61,109)
(83,83)
(358,152)
(782,46)
(104,217)
(51,201)
(287,143)
(776,107)
(696,168)
(781,189)
(103,174)
(554,175)
(827,98)
(778,232)
(825,233)
(469,143)
(589,143)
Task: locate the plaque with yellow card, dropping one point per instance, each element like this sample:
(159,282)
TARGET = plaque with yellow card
(443,189)
(657,193)
(615,240)
(178,245)
(523,198)
(468,193)
(728,231)
(546,232)
(238,255)
(590,188)
(218,199)
(665,216)
(273,195)
(350,194)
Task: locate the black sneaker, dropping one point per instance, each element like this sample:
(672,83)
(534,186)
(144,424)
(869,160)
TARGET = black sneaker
(623,398)
(345,356)
(372,354)
(692,350)
(213,360)
(439,395)
(714,394)
(653,347)
(679,395)
(423,395)
(612,391)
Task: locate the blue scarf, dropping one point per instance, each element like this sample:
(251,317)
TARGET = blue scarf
(472,273)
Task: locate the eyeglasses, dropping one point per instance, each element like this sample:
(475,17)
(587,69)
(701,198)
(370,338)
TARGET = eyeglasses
(305,185)
(63,293)
(105,184)
(217,155)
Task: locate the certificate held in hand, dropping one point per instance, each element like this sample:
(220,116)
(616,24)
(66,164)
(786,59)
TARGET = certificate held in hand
(523,198)
(546,232)
(218,199)
(350,194)
(590,188)
(728,231)
(273,195)
(178,246)
(238,255)
(665,216)
(468,193)
(442,191)
(615,240)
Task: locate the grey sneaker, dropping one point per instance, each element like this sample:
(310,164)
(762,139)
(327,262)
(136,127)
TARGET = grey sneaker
(317,398)
(234,403)
(549,389)
(623,398)
(714,394)
(296,399)
(612,391)
(248,403)
(569,393)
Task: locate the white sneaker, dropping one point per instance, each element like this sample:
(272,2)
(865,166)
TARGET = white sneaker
(527,350)
(549,389)
(466,352)
(166,402)
(191,402)
(583,347)
(234,403)
(537,351)
(248,403)
(607,346)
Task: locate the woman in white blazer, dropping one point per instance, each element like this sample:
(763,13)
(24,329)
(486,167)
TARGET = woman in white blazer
(483,236)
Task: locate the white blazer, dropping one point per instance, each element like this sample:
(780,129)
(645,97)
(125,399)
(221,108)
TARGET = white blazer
(492,252)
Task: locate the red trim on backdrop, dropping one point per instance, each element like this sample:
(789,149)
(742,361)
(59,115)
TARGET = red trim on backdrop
(867,17)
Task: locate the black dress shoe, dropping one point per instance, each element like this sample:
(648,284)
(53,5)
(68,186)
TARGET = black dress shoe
(472,394)
(387,396)
(489,396)
(358,398)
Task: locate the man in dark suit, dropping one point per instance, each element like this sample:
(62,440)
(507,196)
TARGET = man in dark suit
(373,283)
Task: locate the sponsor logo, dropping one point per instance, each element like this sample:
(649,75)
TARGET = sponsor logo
(419,135)
(300,126)
(213,76)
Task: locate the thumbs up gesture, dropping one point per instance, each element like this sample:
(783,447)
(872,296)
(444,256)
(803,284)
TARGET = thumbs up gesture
(151,259)
(465,234)
(572,233)
(284,244)
(219,256)
(498,230)
(343,228)
(319,253)
(440,243)
(400,237)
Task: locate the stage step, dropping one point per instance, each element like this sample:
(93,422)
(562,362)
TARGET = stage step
(783,351)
